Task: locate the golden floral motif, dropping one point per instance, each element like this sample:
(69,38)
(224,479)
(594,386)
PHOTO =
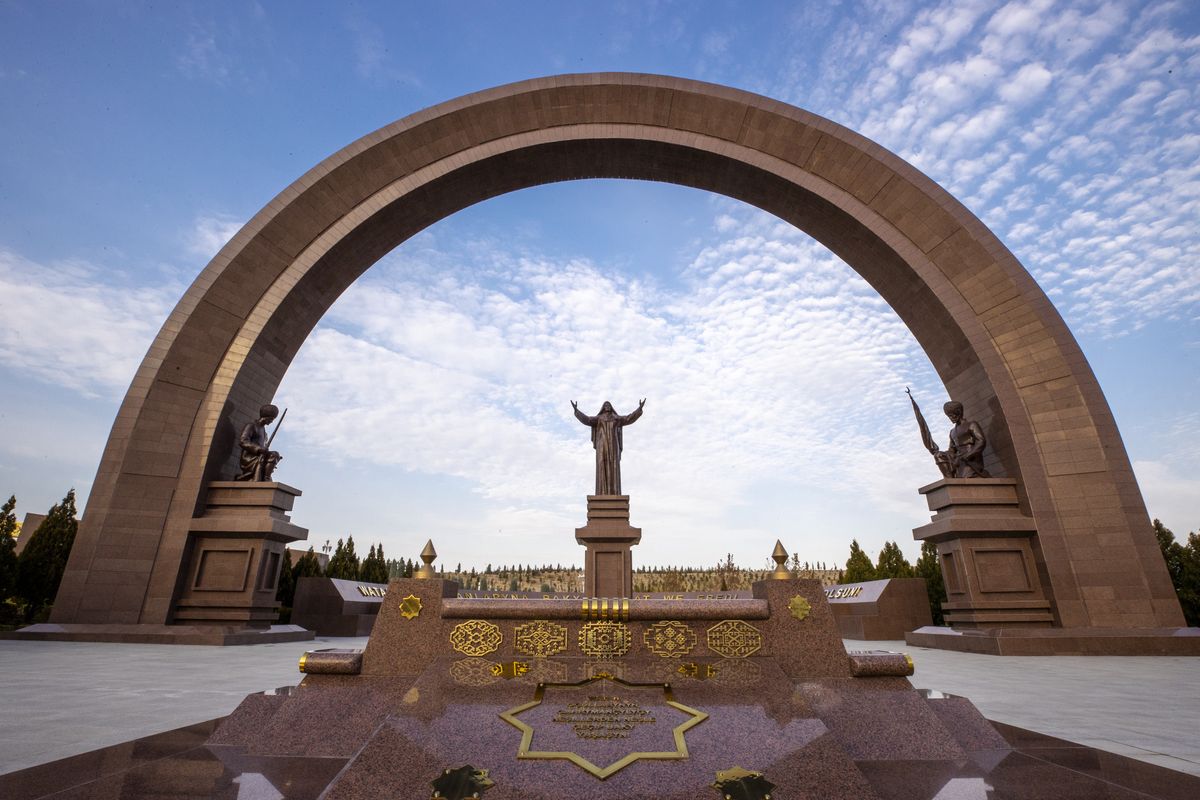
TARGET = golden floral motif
(604,639)
(541,638)
(669,639)
(734,638)
(476,637)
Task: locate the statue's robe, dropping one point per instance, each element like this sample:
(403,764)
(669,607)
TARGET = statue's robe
(607,440)
(966,450)
(256,462)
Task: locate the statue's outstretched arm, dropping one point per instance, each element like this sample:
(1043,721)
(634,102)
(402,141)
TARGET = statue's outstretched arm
(582,417)
(631,418)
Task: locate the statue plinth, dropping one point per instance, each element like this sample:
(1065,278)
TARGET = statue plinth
(237,548)
(988,553)
(608,537)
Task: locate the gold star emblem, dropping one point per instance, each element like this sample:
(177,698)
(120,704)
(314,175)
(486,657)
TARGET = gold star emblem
(410,607)
(799,607)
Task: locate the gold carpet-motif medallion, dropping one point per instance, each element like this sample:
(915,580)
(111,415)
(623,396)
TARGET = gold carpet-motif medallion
(410,607)
(601,639)
(734,638)
(669,639)
(541,638)
(473,672)
(741,673)
(475,637)
(542,670)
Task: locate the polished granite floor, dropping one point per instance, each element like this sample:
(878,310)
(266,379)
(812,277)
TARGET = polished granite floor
(178,764)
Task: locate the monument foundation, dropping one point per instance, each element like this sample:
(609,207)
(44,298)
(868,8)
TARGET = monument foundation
(608,537)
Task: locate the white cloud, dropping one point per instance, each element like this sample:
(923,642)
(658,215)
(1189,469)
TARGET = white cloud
(66,323)
(1170,494)
(772,364)
(210,233)
(1061,151)
(1027,85)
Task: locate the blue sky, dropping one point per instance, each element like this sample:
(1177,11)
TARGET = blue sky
(433,400)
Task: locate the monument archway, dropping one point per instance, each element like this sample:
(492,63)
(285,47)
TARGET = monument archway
(993,336)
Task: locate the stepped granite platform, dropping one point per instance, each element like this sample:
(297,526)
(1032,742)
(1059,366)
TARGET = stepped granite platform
(812,719)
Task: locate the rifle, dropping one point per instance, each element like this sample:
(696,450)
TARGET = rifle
(277,424)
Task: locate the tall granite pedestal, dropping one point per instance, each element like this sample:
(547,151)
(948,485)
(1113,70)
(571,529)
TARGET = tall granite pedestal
(987,554)
(236,553)
(608,537)
(999,600)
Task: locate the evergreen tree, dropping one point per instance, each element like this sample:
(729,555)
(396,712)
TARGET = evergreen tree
(286,591)
(344,563)
(41,564)
(308,566)
(374,569)
(858,565)
(927,567)
(892,563)
(8,550)
(1183,564)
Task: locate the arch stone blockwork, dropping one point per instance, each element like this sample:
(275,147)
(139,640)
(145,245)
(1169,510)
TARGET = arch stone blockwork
(993,336)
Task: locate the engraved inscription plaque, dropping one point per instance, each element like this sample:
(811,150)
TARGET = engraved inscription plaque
(603,724)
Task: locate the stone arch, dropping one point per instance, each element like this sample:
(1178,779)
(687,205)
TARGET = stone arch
(994,337)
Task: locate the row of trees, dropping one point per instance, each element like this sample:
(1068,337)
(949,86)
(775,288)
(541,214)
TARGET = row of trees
(892,564)
(344,563)
(29,581)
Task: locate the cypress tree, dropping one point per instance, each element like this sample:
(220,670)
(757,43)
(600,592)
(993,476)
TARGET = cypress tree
(308,566)
(41,564)
(8,550)
(286,592)
(344,563)
(374,568)
(892,563)
(928,568)
(858,565)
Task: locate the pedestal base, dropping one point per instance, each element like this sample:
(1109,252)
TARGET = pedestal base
(1061,641)
(237,548)
(608,563)
(161,634)
(988,552)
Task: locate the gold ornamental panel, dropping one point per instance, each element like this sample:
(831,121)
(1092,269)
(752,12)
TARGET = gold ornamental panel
(734,638)
(476,637)
(604,639)
(541,638)
(669,639)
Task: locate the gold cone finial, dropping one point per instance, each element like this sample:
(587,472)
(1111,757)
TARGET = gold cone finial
(781,573)
(428,554)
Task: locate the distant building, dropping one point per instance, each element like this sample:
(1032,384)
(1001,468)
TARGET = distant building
(322,558)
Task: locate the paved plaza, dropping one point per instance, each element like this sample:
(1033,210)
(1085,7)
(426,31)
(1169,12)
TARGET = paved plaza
(60,698)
